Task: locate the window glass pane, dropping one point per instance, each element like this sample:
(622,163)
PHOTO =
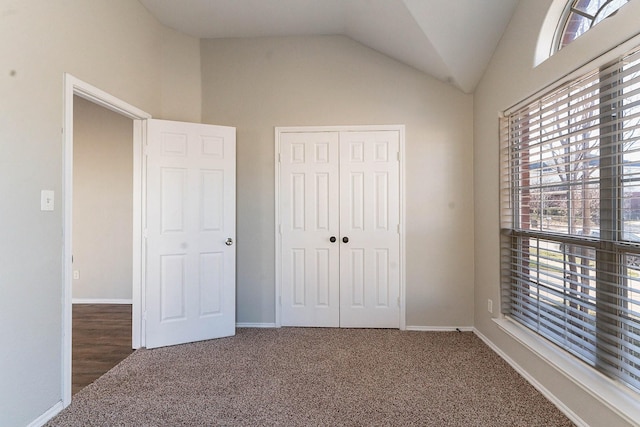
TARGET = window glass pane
(558,283)
(576,26)
(608,10)
(560,169)
(630,123)
(590,7)
(631,336)
(631,198)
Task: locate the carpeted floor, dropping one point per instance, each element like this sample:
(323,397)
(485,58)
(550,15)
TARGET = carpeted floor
(315,377)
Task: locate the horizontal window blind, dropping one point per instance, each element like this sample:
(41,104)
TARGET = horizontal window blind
(570,217)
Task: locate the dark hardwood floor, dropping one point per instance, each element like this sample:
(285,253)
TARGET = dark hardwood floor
(101,339)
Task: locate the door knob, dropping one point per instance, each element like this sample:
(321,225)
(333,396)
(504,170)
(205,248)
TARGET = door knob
(345,239)
(229,242)
(332,239)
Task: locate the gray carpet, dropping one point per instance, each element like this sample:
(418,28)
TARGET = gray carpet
(315,377)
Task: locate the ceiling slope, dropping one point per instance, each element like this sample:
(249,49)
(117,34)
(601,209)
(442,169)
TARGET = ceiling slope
(465,33)
(451,40)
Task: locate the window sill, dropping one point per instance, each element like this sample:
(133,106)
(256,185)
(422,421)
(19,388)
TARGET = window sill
(617,397)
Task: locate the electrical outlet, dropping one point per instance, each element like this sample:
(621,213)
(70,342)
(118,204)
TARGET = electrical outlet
(76,274)
(490,305)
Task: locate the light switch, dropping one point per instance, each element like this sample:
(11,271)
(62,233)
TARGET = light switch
(46,200)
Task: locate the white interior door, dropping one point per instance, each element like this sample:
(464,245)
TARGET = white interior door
(343,185)
(369,229)
(309,229)
(190,231)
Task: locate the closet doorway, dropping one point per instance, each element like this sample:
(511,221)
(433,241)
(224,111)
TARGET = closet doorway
(339,227)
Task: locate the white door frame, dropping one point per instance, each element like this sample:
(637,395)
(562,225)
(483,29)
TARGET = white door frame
(278,131)
(74,86)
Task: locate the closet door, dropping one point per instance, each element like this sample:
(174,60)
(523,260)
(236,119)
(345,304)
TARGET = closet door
(309,214)
(369,229)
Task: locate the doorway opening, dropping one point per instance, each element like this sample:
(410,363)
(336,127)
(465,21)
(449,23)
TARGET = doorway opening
(102,241)
(73,90)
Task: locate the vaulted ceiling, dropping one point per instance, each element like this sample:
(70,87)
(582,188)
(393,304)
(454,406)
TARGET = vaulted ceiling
(451,40)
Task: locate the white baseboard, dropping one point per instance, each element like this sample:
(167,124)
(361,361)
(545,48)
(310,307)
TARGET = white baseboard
(51,412)
(440,328)
(255,325)
(100,301)
(620,399)
(535,383)
(408,328)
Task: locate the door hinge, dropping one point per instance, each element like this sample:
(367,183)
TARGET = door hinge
(398,229)
(398,302)
(279,157)
(398,155)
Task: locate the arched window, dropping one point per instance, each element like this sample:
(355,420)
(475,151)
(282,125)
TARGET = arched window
(580,15)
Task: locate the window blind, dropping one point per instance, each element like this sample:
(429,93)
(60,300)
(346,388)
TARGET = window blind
(570,217)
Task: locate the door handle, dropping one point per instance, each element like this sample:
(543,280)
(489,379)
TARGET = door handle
(229,242)
(332,239)
(345,239)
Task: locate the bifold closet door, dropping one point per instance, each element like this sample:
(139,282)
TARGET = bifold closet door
(309,213)
(369,221)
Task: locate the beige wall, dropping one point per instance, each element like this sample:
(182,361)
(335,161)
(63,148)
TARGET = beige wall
(257,84)
(102,202)
(180,74)
(510,78)
(114,45)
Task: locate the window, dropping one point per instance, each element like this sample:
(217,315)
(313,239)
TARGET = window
(580,15)
(570,217)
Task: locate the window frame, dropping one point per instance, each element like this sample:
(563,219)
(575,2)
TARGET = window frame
(610,247)
(569,9)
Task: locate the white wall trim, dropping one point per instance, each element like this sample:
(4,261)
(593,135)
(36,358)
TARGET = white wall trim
(402,179)
(548,32)
(276,228)
(255,325)
(617,397)
(594,62)
(403,228)
(440,328)
(535,383)
(138,325)
(629,413)
(49,414)
(101,301)
(73,86)
(340,128)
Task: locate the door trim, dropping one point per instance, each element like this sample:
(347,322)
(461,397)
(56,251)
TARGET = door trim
(278,237)
(74,86)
